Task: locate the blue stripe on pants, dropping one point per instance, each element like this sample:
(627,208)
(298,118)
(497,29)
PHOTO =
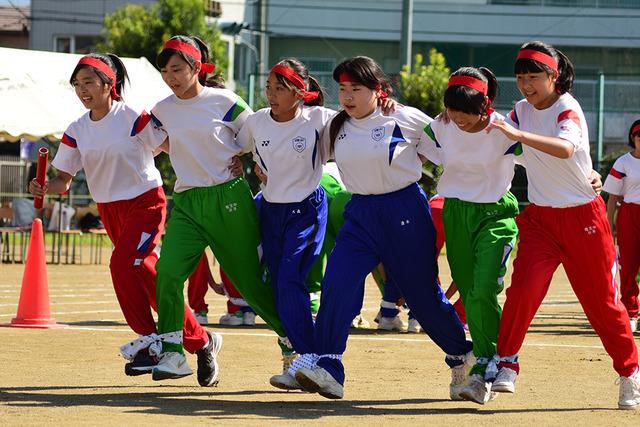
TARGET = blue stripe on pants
(292,236)
(394,228)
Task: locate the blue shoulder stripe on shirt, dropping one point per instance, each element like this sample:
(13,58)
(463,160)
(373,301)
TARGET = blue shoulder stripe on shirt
(315,150)
(514,116)
(264,167)
(395,139)
(155,120)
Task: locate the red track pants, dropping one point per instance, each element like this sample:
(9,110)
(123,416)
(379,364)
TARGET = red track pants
(628,231)
(134,227)
(199,285)
(580,239)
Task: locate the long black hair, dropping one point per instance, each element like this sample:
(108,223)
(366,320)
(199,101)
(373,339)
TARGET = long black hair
(112,62)
(312,83)
(469,100)
(215,80)
(566,73)
(364,71)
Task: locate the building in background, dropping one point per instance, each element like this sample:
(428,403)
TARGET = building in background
(14,27)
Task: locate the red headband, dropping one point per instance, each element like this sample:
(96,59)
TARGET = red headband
(193,52)
(635,129)
(471,82)
(103,68)
(289,74)
(541,57)
(348,78)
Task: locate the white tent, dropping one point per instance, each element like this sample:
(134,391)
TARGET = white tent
(37,101)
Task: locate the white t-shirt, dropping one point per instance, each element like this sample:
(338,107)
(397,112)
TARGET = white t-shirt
(478,167)
(331,168)
(624,179)
(378,154)
(116,153)
(288,152)
(553,181)
(202,134)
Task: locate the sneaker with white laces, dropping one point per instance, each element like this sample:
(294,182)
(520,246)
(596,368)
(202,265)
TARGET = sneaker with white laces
(477,390)
(318,380)
(232,319)
(172,365)
(634,324)
(505,381)
(414,326)
(207,360)
(201,317)
(360,322)
(391,324)
(249,318)
(629,396)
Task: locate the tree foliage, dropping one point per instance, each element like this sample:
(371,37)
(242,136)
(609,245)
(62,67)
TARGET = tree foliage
(424,86)
(140,31)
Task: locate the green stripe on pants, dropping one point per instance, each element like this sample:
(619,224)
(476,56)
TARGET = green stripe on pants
(224,218)
(480,237)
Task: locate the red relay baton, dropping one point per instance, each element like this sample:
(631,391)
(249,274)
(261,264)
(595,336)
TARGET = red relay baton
(41,174)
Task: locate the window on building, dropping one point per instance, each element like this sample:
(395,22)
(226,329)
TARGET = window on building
(62,44)
(84,44)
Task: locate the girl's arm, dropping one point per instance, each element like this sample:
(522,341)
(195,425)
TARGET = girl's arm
(58,185)
(612,206)
(553,146)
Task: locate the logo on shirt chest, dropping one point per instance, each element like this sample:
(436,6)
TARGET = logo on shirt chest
(377,133)
(265,143)
(299,143)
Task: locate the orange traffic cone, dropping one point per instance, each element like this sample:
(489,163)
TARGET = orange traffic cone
(33,308)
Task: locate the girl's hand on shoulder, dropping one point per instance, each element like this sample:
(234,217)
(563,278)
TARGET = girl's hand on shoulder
(389,105)
(504,127)
(443,117)
(236,166)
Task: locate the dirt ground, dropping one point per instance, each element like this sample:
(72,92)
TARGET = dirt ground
(74,376)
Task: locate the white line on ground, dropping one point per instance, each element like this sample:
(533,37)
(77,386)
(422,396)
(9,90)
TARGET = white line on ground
(352,337)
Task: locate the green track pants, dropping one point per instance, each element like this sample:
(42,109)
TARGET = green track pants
(480,237)
(224,218)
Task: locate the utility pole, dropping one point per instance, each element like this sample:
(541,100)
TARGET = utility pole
(406,38)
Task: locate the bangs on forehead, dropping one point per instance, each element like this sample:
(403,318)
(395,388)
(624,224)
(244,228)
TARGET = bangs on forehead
(524,66)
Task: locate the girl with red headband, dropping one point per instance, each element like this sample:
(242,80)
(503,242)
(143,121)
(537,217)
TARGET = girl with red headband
(210,204)
(565,223)
(115,145)
(387,220)
(478,214)
(623,186)
(285,139)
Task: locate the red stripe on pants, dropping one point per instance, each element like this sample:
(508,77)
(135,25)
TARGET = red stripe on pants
(199,285)
(580,239)
(628,231)
(133,272)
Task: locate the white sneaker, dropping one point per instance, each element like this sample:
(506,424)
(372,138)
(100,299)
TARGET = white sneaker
(201,317)
(505,381)
(285,381)
(460,376)
(414,326)
(360,322)
(477,390)
(232,319)
(634,324)
(629,396)
(318,380)
(249,318)
(172,365)
(391,324)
